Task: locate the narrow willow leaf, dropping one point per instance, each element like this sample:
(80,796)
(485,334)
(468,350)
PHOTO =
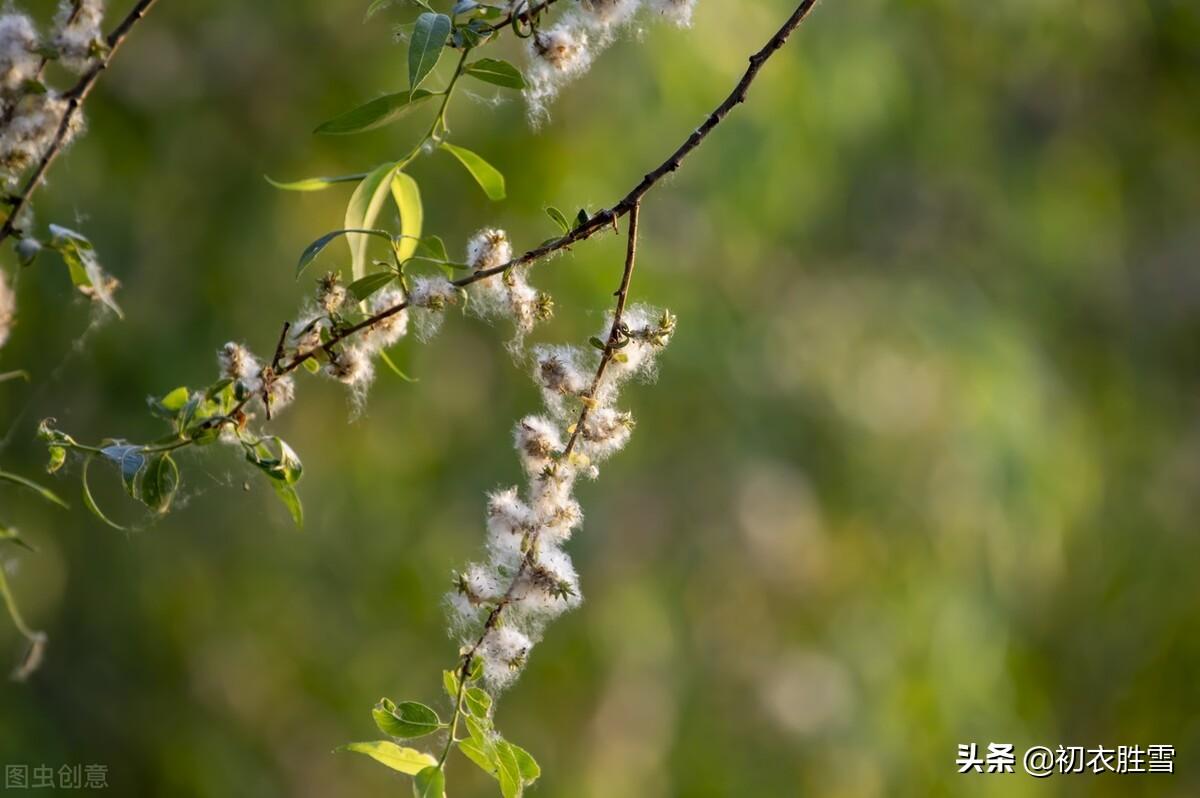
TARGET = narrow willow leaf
(434,248)
(314,183)
(160,480)
(559,219)
(365,205)
(45,493)
(430,783)
(486,175)
(376,6)
(19,374)
(376,113)
(496,72)
(425,47)
(407,195)
(361,289)
(90,502)
(405,760)
(394,368)
(312,250)
(291,500)
(408,719)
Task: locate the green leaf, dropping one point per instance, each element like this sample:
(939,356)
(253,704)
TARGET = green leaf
(407,195)
(45,493)
(160,480)
(375,7)
(387,360)
(486,175)
(361,289)
(581,218)
(291,500)
(496,72)
(315,183)
(450,683)
(509,772)
(84,267)
(90,502)
(479,703)
(312,250)
(365,205)
(480,754)
(430,783)
(408,719)
(376,113)
(405,760)
(559,219)
(425,47)
(530,770)
(176,399)
(434,248)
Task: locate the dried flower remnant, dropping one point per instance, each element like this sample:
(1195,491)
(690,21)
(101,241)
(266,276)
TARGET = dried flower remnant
(77,36)
(506,294)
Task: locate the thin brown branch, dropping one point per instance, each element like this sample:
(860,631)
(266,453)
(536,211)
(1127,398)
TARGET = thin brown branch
(75,97)
(625,206)
(615,335)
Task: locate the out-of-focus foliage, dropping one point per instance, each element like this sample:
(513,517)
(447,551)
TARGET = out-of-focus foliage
(921,467)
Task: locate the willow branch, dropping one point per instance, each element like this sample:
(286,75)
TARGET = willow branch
(626,205)
(75,97)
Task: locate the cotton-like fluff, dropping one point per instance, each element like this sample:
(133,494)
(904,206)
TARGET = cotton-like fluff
(548,587)
(388,331)
(605,432)
(238,364)
(562,375)
(8,309)
(605,15)
(504,651)
(351,365)
(429,296)
(280,392)
(331,294)
(77,35)
(557,56)
(677,12)
(538,441)
(19,59)
(645,331)
(304,334)
(35,125)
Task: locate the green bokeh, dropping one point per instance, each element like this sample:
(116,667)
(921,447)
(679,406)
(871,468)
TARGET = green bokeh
(921,468)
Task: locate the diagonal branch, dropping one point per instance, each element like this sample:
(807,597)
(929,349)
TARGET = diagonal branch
(626,205)
(75,97)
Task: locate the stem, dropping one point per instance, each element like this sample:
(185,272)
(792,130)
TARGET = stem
(76,96)
(610,348)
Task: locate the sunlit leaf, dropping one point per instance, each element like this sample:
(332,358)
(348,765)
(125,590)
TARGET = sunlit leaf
(362,211)
(376,113)
(430,783)
(312,250)
(315,183)
(159,481)
(405,760)
(486,175)
(496,72)
(407,195)
(408,719)
(90,502)
(425,47)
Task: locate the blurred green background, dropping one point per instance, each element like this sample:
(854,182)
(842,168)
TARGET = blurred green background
(921,468)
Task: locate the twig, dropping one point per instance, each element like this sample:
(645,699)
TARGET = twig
(75,97)
(626,205)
